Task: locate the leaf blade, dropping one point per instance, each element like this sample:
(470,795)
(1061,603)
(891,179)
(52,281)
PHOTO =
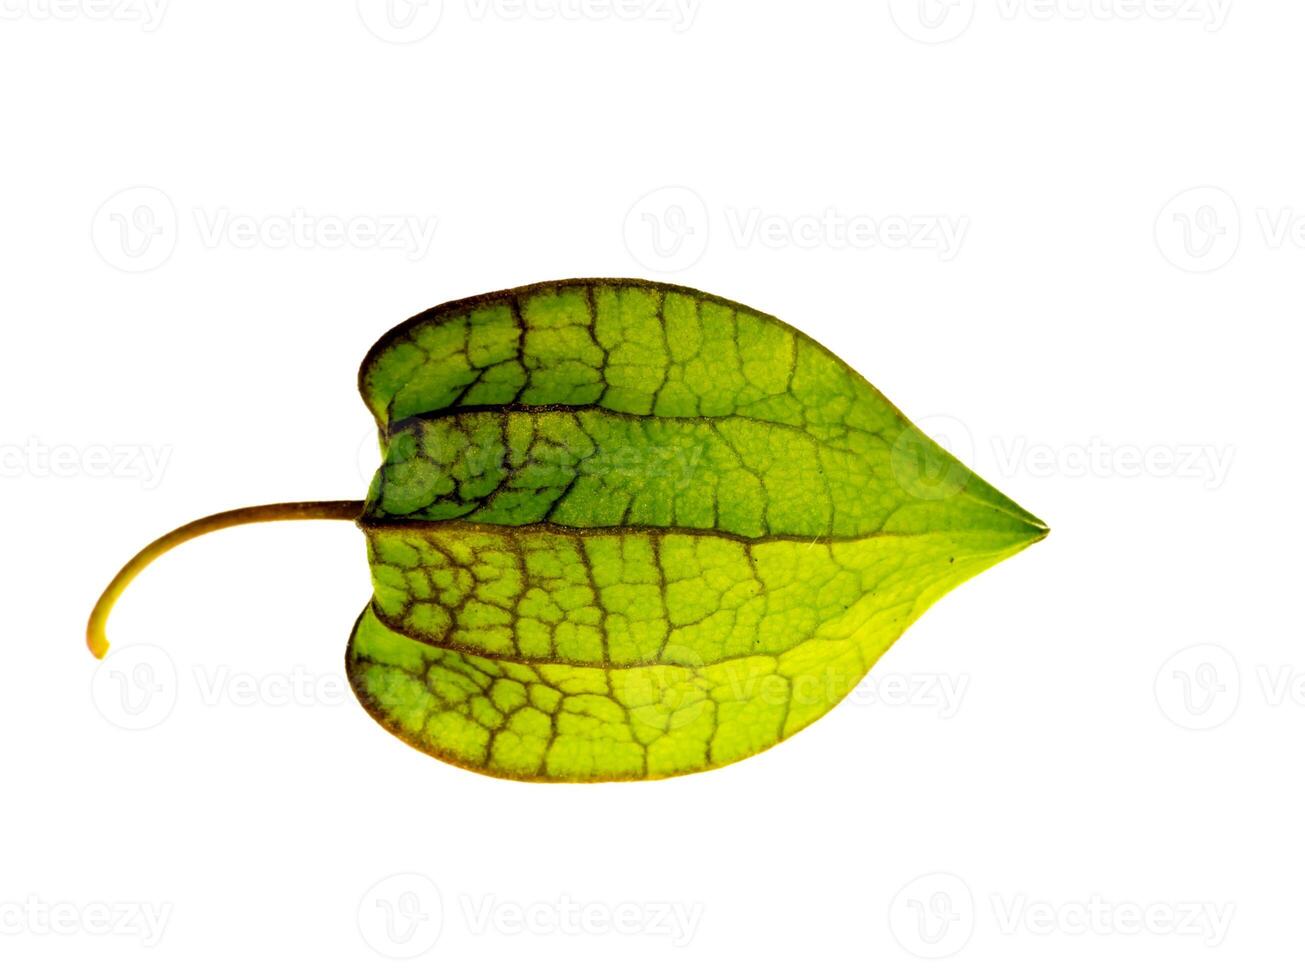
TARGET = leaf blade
(667,505)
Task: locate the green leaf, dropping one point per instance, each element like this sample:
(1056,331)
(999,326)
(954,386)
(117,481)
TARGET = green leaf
(626,530)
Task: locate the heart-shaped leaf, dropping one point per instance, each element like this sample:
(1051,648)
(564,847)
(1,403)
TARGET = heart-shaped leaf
(626,530)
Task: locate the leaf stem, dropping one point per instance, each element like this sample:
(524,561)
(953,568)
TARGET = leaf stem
(313,510)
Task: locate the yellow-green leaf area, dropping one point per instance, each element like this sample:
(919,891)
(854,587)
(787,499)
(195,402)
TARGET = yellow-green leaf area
(627,530)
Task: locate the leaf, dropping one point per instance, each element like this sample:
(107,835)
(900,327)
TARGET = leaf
(626,530)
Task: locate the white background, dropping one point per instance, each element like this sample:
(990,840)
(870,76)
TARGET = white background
(1117,351)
